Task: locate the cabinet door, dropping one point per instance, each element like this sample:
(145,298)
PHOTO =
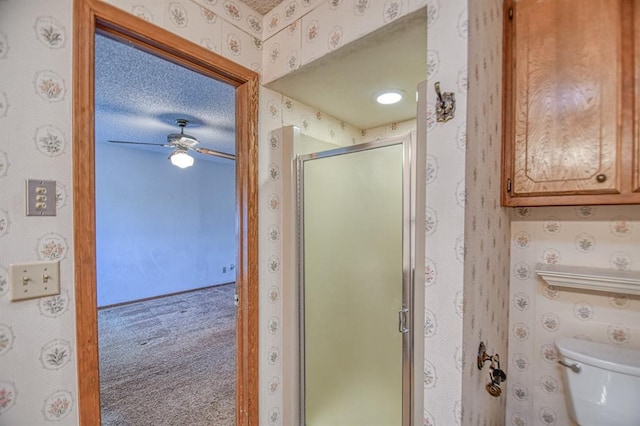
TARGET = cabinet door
(565,79)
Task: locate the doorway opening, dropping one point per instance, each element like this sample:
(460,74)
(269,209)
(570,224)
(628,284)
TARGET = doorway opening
(89,18)
(165,240)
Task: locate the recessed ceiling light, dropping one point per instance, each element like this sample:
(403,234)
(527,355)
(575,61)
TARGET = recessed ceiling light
(388,97)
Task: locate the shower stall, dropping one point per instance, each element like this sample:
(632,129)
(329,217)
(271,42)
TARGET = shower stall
(355,315)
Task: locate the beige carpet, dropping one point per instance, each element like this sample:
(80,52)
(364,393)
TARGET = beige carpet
(169,361)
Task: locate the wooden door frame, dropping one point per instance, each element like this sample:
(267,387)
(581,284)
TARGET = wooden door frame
(90,16)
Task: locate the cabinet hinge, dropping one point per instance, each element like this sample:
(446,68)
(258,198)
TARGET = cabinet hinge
(510,13)
(508,185)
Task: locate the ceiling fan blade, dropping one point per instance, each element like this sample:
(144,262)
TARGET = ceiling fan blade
(140,143)
(220,154)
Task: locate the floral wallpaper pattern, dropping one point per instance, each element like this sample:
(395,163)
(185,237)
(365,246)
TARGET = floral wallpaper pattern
(225,27)
(466,297)
(37,337)
(44,74)
(595,236)
(487,233)
(300,31)
(445,218)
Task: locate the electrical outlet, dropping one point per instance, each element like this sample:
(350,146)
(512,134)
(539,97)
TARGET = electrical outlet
(224,269)
(34,279)
(232,267)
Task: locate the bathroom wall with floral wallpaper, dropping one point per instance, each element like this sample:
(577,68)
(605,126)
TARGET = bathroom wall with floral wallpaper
(321,30)
(593,236)
(445,214)
(465,228)
(37,337)
(38,382)
(326,25)
(299,32)
(229,28)
(487,235)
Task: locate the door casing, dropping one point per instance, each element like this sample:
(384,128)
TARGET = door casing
(91,16)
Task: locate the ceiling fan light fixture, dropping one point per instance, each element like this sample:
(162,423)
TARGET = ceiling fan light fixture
(188,140)
(181,159)
(181,140)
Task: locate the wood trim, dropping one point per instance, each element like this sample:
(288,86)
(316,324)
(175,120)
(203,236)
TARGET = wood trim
(573,200)
(626,106)
(167,45)
(161,296)
(247,208)
(91,16)
(636,96)
(84,217)
(507,102)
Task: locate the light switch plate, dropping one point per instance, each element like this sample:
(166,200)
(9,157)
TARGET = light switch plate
(34,279)
(41,197)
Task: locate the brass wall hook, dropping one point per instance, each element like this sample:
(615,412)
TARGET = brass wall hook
(496,375)
(446,104)
(483,356)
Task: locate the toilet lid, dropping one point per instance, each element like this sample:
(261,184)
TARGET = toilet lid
(610,357)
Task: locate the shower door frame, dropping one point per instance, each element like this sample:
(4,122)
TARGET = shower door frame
(413,189)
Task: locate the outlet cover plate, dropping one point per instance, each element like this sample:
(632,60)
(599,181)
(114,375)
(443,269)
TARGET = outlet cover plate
(34,279)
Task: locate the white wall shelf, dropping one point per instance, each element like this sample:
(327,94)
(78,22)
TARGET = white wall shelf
(586,278)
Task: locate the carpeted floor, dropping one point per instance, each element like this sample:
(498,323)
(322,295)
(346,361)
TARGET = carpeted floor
(170,360)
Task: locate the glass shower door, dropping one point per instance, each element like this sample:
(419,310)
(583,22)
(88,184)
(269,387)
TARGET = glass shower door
(353,289)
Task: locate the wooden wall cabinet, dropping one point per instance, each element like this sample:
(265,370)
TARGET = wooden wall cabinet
(571,73)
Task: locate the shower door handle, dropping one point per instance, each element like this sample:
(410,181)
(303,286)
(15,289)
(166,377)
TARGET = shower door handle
(402,320)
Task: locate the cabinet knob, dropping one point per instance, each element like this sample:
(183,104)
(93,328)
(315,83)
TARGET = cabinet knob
(601,178)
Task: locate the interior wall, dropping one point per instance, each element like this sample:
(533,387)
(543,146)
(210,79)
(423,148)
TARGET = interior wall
(447,35)
(486,270)
(227,28)
(282,43)
(30,63)
(298,33)
(37,337)
(445,214)
(592,236)
(161,229)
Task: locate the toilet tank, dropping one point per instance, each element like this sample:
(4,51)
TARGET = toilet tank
(606,390)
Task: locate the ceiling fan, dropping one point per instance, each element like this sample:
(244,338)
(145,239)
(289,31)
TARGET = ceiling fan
(181,143)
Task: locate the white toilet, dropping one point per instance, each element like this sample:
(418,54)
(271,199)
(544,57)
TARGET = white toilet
(602,382)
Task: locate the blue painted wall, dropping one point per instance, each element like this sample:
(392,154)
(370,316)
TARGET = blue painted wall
(161,229)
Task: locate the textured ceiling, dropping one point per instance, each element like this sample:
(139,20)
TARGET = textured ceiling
(262,6)
(138,98)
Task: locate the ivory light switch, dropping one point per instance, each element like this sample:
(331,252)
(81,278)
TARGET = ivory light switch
(34,279)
